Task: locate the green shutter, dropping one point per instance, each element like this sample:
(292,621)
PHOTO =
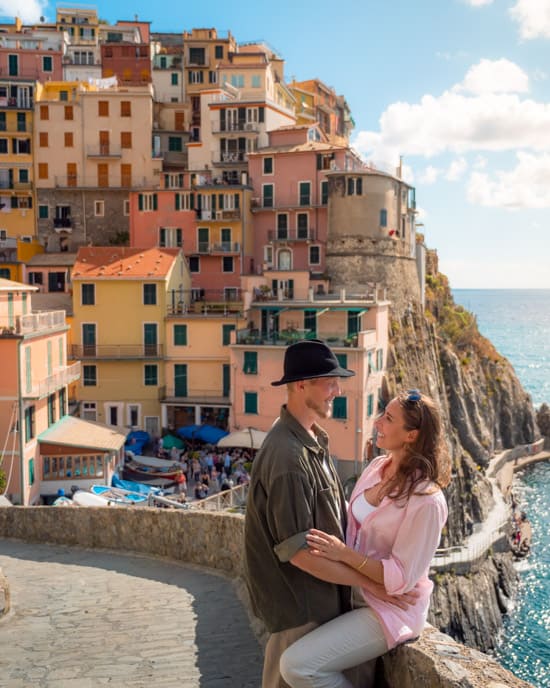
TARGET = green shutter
(251,402)
(177,197)
(226,334)
(250,363)
(154,201)
(339,408)
(140,201)
(180,335)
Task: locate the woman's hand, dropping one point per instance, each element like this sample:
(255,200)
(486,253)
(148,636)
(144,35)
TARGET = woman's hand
(324,545)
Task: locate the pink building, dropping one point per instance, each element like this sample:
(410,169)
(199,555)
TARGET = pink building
(30,53)
(291,197)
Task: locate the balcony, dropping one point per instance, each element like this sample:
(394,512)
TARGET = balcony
(286,235)
(117,351)
(63,224)
(218,215)
(114,181)
(207,248)
(236,127)
(205,302)
(21,103)
(104,150)
(231,158)
(38,323)
(54,382)
(193,395)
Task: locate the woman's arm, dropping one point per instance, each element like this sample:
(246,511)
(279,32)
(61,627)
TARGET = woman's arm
(330,547)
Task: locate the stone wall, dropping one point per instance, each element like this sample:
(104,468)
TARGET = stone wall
(215,540)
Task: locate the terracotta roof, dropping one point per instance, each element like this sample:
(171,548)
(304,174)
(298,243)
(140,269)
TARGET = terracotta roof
(75,432)
(123,262)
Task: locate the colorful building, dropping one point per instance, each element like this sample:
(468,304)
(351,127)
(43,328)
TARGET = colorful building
(126,52)
(82,57)
(124,356)
(317,102)
(101,154)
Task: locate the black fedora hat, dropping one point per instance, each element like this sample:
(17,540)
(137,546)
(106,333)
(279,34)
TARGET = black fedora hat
(310,358)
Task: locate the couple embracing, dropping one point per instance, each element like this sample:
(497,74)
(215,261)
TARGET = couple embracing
(338,585)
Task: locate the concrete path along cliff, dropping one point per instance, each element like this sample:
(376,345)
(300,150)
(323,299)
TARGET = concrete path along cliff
(86,618)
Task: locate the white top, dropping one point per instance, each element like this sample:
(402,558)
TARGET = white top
(360,508)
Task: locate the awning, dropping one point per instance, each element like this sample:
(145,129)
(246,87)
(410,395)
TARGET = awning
(75,432)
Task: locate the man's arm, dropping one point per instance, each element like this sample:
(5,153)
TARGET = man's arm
(336,572)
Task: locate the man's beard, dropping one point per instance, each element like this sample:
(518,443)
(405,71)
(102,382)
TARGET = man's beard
(323,411)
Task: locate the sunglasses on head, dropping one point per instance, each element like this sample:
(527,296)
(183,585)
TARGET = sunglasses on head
(413,395)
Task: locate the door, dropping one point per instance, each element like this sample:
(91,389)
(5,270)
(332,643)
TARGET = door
(13,62)
(150,339)
(103,174)
(126,175)
(104,143)
(226,239)
(89,339)
(71,174)
(204,242)
(180,380)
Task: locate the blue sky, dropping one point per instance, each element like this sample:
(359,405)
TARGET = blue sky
(459,88)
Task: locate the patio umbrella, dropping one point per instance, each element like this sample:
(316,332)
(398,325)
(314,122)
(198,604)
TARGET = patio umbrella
(169,441)
(248,438)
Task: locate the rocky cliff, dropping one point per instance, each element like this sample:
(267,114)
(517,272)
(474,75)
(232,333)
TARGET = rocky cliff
(485,408)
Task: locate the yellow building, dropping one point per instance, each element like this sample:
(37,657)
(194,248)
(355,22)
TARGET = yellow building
(121,298)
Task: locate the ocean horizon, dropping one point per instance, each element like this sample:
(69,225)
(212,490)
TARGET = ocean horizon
(517,322)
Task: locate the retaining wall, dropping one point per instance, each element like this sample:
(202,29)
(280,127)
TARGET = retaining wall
(215,540)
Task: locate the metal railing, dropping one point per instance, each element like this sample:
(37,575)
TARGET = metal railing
(52,383)
(116,351)
(104,150)
(33,322)
(235,498)
(306,234)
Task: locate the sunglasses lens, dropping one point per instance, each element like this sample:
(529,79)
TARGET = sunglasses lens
(413,395)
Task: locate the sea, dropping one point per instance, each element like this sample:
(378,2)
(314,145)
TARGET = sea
(517,321)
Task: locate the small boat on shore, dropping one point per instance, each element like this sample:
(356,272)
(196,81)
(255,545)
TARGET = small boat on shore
(119,495)
(145,469)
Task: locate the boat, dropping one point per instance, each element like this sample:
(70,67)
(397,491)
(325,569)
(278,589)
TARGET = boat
(131,486)
(145,469)
(63,501)
(84,498)
(119,495)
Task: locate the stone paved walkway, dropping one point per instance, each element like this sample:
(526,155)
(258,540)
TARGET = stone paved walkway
(86,618)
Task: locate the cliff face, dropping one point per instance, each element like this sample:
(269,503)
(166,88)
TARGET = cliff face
(485,410)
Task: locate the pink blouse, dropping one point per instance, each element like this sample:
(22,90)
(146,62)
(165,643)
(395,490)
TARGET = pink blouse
(404,539)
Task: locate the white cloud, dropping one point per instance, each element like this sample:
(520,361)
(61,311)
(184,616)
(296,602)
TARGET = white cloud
(533,18)
(429,175)
(478,3)
(527,185)
(29,11)
(494,76)
(496,274)
(480,162)
(456,169)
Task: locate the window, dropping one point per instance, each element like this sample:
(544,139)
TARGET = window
(302,225)
(184,201)
(99,208)
(226,334)
(175,144)
(89,410)
(103,108)
(174,79)
(42,170)
(29,423)
(89,375)
(69,141)
(304,188)
(125,108)
(44,112)
(250,364)
(212,77)
(23,176)
(267,198)
(43,139)
(51,409)
(125,175)
(147,201)
(21,146)
(340,408)
(218,52)
(21,121)
(63,95)
(324,193)
(314,255)
(227,264)
(379,359)
(180,335)
(342,360)
(196,77)
(125,139)
(62,402)
(150,294)
(170,237)
(150,375)
(194,264)
(31,471)
(256,81)
(69,114)
(126,207)
(13,65)
(268,165)
(197,56)
(383,218)
(251,402)
(88,294)
(43,212)
(4,146)
(237,80)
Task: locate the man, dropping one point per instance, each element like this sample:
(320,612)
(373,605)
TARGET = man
(294,487)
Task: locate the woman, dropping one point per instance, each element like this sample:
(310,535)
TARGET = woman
(395,517)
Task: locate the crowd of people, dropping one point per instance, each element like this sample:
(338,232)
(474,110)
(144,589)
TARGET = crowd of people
(207,470)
